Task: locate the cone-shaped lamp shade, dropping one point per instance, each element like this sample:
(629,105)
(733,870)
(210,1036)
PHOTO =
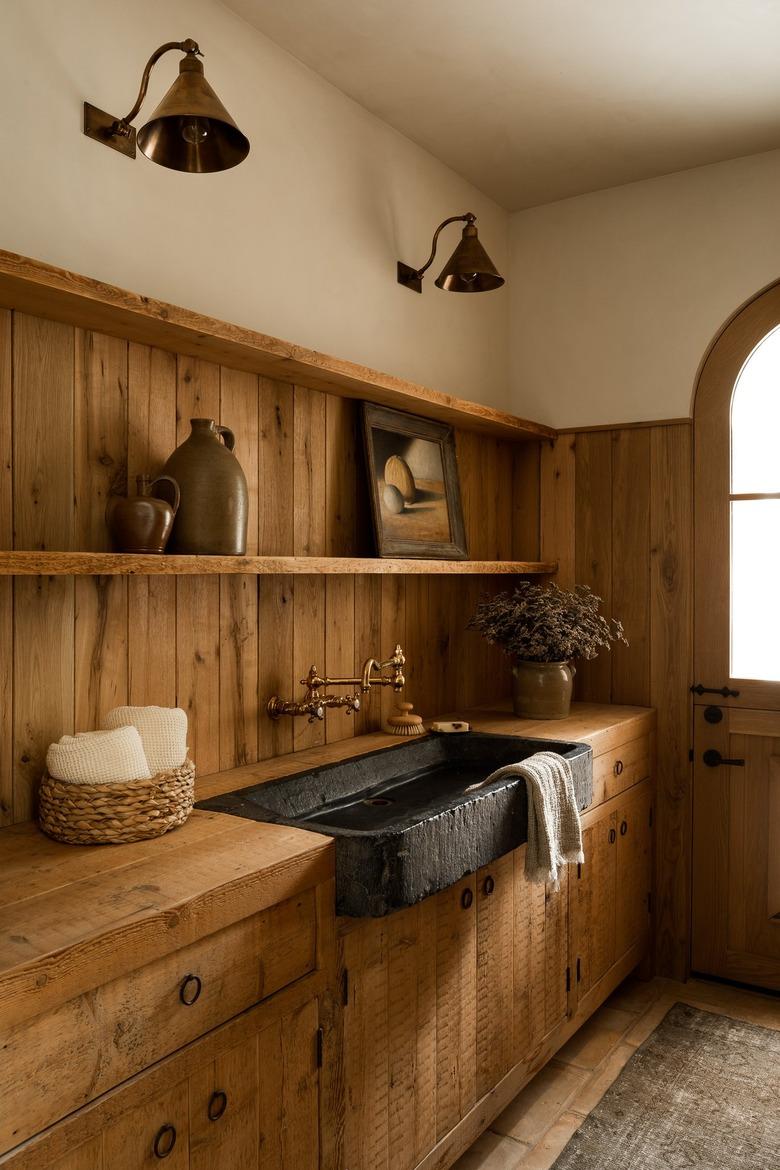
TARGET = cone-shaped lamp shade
(191,130)
(469,268)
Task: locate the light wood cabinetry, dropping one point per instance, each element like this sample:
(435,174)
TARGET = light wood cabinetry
(452,1004)
(611,889)
(243,1098)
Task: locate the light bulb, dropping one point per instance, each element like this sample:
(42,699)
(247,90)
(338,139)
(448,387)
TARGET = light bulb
(195,130)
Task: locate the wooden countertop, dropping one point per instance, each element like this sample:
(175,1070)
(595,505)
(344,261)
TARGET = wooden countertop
(73,917)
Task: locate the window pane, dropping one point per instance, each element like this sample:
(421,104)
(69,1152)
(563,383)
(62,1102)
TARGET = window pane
(755,420)
(755,589)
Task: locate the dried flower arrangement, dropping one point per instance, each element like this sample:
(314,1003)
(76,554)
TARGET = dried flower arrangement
(542,623)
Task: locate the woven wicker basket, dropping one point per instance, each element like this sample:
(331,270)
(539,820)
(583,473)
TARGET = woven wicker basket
(112,814)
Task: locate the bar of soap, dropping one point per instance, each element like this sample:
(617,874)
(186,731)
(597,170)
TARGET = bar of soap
(450,728)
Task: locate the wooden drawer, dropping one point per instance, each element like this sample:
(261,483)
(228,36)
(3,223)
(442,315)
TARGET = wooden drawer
(621,768)
(56,1062)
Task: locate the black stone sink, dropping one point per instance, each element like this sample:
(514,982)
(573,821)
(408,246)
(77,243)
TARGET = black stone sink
(403,818)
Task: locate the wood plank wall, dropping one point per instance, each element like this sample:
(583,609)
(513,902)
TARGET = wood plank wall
(81,414)
(617,508)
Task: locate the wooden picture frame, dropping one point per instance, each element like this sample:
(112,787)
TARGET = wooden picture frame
(413,482)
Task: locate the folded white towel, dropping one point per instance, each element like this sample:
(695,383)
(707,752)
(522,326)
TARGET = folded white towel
(99,757)
(163,732)
(554,830)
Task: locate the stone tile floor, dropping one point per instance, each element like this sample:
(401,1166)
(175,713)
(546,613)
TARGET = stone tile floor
(535,1127)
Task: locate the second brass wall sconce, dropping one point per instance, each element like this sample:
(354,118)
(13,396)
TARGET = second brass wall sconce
(189,131)
(469,268)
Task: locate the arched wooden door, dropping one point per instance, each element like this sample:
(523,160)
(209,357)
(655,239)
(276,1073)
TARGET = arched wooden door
(736,808)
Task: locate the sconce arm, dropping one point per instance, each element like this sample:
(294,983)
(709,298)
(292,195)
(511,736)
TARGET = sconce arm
(469,217)
(122,125)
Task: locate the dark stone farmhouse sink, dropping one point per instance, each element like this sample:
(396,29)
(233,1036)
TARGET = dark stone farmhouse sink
(403,818)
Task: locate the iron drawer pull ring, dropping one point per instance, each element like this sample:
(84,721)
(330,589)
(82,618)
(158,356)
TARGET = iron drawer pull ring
(612,836)
(623,828)
(217,1105)
(189,998)
(618,769)
(466,898)
(490,885)
(164,1141)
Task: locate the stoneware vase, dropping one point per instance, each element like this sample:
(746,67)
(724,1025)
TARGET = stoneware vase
(542,690)
(143,523)
(212,516)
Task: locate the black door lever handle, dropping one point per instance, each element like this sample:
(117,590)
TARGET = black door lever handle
(713,759)
(727,692)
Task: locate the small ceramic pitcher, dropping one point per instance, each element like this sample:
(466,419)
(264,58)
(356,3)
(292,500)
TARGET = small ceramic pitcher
(143,523)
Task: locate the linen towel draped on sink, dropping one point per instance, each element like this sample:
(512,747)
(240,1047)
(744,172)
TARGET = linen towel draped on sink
(554,831)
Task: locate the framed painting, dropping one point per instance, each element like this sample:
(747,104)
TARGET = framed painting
(413,481)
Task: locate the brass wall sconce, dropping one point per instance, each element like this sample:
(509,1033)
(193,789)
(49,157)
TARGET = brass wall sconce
(468,270)
(189,131)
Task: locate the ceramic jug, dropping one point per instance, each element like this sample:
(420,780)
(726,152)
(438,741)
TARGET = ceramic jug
(212,515)
(143,523)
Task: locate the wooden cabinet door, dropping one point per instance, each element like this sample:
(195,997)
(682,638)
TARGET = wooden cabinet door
(593,887)
(456,1003)
(224,1113)
(632,903)
(736,847)
(540,959)
(155,1131)
(495,977)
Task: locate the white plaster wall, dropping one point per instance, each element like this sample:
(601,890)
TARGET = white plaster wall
(616,295)
(300,241)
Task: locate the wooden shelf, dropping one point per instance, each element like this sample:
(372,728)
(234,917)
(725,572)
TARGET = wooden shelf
(26,564)
(44,291)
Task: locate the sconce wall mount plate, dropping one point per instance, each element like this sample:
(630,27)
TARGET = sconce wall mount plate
(104,128)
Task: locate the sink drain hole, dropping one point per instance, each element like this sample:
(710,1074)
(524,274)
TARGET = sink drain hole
(375,800)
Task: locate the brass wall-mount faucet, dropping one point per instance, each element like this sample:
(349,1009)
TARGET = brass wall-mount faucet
(316,702)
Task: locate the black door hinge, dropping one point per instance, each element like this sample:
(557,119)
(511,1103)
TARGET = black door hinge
(649,902)
(579,969)
(345,987)
(320,1045)
(568,978)
(690,755)
(726,692)
(579,870)
(650,817)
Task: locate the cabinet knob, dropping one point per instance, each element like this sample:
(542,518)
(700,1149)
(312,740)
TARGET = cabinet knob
(190,989)
(618,769)
(164,1141)
(466,898)
(217,1105)
(612,836)
(623,828)
(489,885)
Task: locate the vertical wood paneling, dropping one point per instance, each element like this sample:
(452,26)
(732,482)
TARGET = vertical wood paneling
(593,557)
(556,506)
(100,433)
(631,563)
(238,606)
(671,632)
(308,650)
(393,630)
(369,639)
(276,467)
(198,598)
(6,586)
(277,673)
(43,356)
(309,454)
(526,471)
(43,678)
(101,648)
(151,437)
(339,658)
(100,444)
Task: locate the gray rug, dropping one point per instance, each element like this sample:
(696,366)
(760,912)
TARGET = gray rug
(702,1093)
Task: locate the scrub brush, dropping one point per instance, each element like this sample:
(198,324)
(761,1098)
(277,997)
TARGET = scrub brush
(404,722)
